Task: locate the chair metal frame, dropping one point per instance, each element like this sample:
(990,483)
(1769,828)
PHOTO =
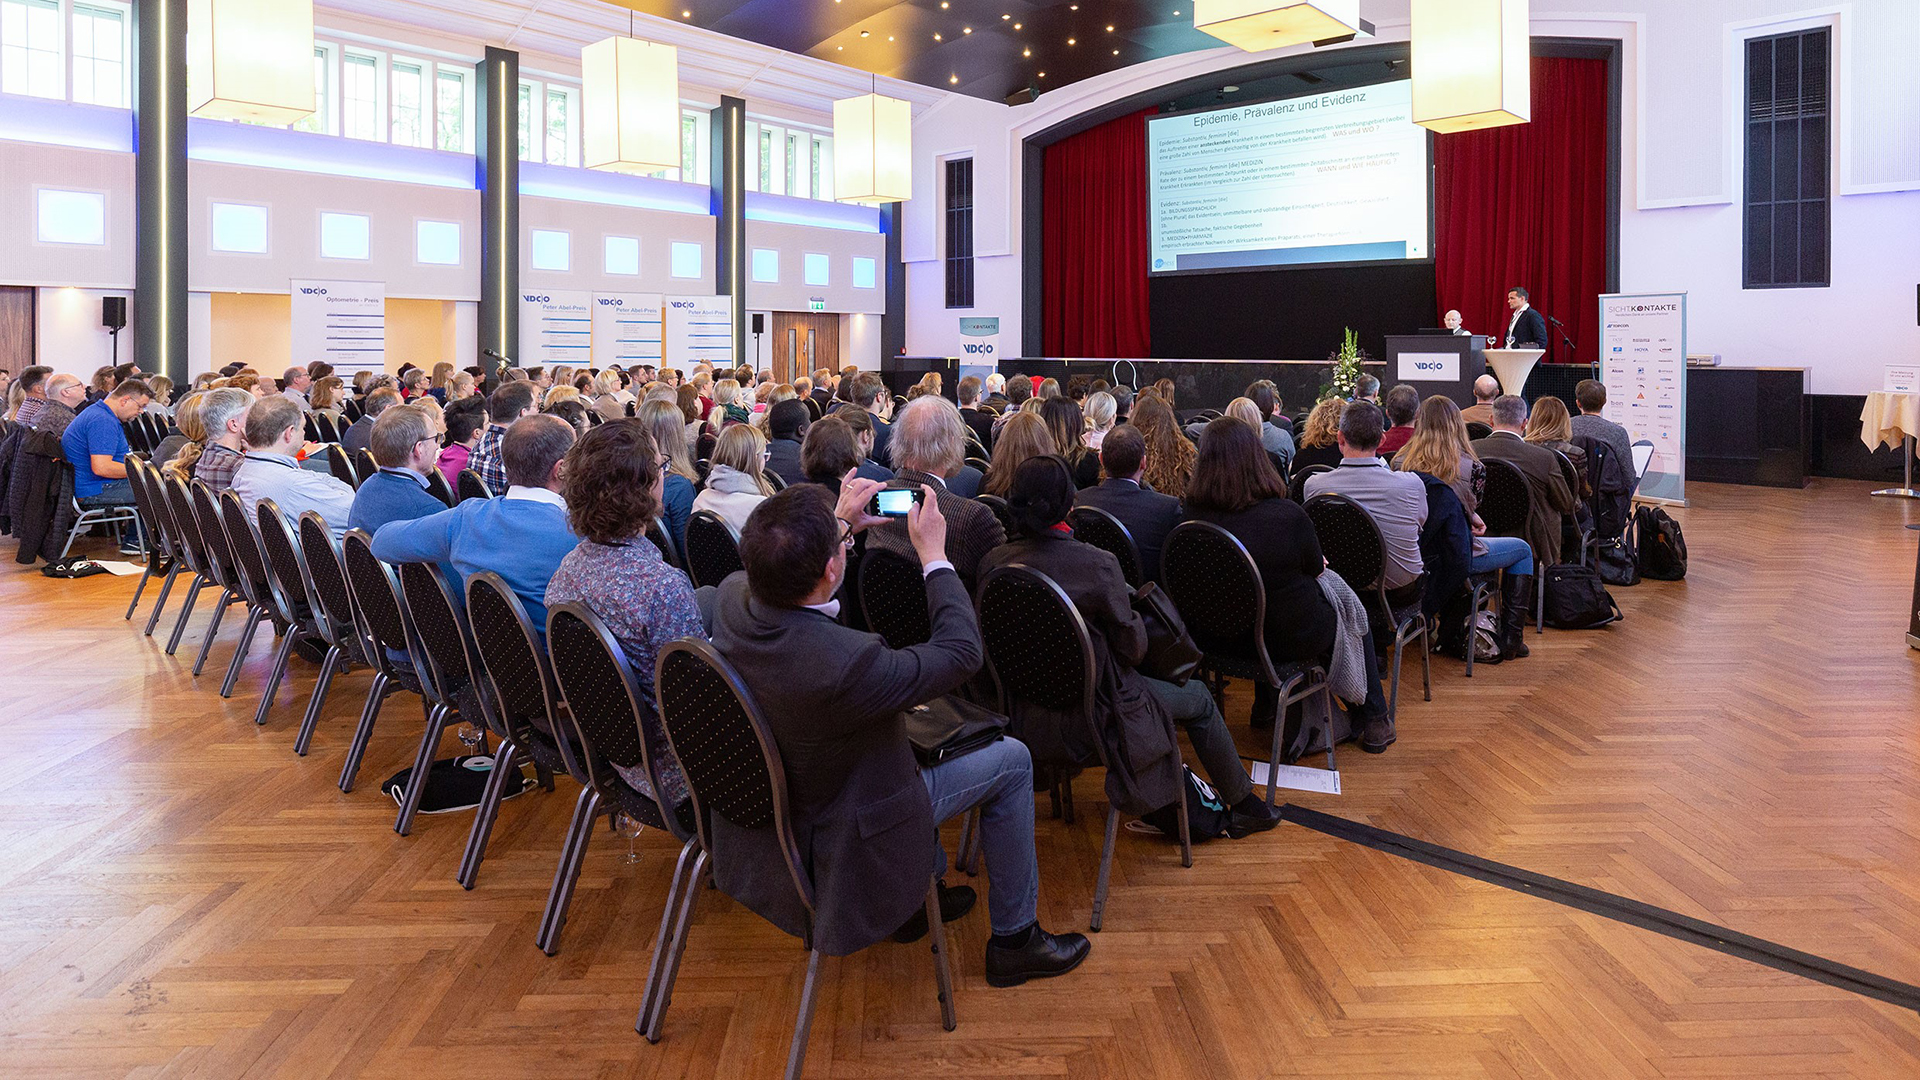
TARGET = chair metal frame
(340,464)
(423,589)
(319,554)
(472,486)
(356,547)
(438,487)
(1414,627)
(773,775)
(1024,575)
(187,528)
(1000,510)
(213,531)
(1517,529)
(1296,682)
(286,585)
(1297,484)
(163,547)
(86,517)
(1092,525)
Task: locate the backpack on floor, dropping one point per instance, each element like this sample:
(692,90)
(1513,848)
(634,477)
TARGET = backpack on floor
(1663,547)
(1619,563)
(452,784)
(1207,814)
(1576,600)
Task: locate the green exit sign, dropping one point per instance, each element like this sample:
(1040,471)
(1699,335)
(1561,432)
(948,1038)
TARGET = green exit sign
(816,303)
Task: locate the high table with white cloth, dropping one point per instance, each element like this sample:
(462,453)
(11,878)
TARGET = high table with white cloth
(1512,366)
(1894,419)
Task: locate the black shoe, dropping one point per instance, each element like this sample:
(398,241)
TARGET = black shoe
(954,903)
(1251,815)
(1042,957)
(1376,736)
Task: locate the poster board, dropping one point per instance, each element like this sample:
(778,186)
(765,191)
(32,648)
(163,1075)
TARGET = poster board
(341,322)
(697,328)
(1643,350)
(556,328)
(626,329)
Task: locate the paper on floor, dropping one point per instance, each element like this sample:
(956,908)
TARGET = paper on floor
(1325,781)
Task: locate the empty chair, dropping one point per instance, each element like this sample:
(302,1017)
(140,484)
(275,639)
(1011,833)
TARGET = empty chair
(187,529)
(376,596)
(525,703)
(1354,549)
(162,547)
(287,571)
(213,530)
(334,616)
(1505,508)
(1040,653)
(1214,583)
(1000,510)
(438,487)
(1092,525)
(712,550)
(444,661)
(340,463)
(893,598)
(256,583)
(471,486)
(605,710)
(734,775)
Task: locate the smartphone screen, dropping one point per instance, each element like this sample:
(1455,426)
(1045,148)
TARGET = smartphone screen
(893,502)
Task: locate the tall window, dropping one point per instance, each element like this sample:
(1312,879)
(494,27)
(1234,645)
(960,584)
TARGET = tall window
(30,51)
(689,146)
(548,132)
(527,102)
(360,97)
(795,149)
(766,160)
(100,55)
(321,120)
(558,126)
(1788,133)
(822,165)
(960,233)
(412,126)
(450,110)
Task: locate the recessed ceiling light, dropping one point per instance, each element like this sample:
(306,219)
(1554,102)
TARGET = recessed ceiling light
(966,29)
(1016,26)
(1004,18)
(943,5)
(1026,52)
(889,37)
(1116,52)
(1043,74)
(1109,29)
(936,37)
(866,33)
(1229,89)
(1070,41)
(686,14)
(953,78)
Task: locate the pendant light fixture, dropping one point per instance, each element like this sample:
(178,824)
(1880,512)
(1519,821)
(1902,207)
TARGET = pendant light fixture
(631,92)
(872,149)
(1259,25)
(1471,64)
(250,60)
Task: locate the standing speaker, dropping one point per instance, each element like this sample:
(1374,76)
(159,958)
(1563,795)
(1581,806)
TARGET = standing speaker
(113,312)
(759,322)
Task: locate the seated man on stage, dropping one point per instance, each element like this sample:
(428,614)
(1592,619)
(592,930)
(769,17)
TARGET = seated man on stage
(1455,323)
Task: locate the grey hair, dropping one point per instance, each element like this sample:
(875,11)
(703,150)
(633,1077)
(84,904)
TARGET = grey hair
(219,407)
(929,436)
(1510,410)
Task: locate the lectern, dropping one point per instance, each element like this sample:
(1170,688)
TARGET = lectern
(1437,363)
(1512,366)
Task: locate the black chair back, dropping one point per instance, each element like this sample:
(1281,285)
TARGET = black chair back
(213,539)
(1038,647)
(607,708)
(731,763)
(471,486)
(438,627)
(438,487)
(376,596)
(712,551)
(774,480)
(152,508)
(1507,502)
(514,665)
(1092,525)
(1217,589)
(364,465)
(136,434)
(1478,430)
(324,424)
(657,533)
(351,409)
(1000,510)
(186,527)
(1297,488)
(312,431)
(286,566)
(1350,540)
(331,596)
(893,598)
(340,463)
(244,538)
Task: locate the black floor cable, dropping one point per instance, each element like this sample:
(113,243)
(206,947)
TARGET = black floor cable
(1611,906)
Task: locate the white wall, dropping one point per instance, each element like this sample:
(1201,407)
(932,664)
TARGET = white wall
(68,335)
(1679,224)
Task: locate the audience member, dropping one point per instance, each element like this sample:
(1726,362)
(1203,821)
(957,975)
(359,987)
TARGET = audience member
(1122,404)
(1244,410)
(65,395)
(359,434)
(223,416)
(275,431)
(821,389)
(870,394)
(162,390)
(187,431)
(736,481)
(570,408)
(405,447)
(1043,492)
(1068,426)
(1400,404)
(521,536)
(861,422)
(612,489)
(830,452)
(1275,433)
(1025,436)
(610,397)
(464,428)
(324,398)
(979,420)
(1101,413)
(294,383)
(1549,495)
(995,392)
(1170,456)
(1485,389)
(1396,501)
(1551,427)
(1320,435)
(1591,397)
(95,444)
(33,385)
(1235,487)
(679,480)
(1366,388)
(872,847)
(506,406)
(1148,515)
(786,430)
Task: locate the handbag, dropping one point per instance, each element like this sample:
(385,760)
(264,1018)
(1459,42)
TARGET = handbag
(949,727)
(1171,654)
(1576,600)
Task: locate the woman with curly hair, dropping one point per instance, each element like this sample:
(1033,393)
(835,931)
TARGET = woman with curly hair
(1025,436)
(1319,442)
(1169,455)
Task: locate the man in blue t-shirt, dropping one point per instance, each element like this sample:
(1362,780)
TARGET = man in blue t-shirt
(96,444)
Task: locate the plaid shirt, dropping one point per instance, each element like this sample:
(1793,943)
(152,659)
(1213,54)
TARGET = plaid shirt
(217,465)
(488,462)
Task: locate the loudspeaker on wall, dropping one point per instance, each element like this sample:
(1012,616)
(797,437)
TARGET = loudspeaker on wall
(759,322)
(113,312)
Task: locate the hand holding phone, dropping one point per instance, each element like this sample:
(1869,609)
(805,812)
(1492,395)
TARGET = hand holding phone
(894,502)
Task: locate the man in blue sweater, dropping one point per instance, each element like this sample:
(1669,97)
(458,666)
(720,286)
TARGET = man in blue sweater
(405,446)
(521,536)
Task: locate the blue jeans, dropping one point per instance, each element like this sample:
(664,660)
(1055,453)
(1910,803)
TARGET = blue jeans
(997,778)
(1509,553)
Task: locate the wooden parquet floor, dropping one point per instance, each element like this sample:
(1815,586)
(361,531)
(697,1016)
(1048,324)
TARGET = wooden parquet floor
(180,896)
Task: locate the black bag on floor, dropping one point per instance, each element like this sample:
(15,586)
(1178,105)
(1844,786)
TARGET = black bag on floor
(1207,814)
(1619,564)
(452,784)
(1663,548)
(1576,600)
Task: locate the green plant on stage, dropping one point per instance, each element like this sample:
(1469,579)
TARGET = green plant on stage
(1344,370)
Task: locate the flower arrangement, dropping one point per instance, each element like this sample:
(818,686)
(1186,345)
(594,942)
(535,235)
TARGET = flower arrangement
(1344,370)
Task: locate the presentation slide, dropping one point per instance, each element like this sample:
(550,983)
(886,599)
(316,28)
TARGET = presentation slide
(1332,178)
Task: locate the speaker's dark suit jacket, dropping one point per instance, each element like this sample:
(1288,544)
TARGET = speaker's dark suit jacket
(1148,515)
(1530,332)
(833,697)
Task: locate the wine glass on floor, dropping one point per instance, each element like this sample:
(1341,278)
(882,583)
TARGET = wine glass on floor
(631,828)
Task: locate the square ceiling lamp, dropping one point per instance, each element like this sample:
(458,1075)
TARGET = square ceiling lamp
(632,103)
(250,60)
(1471,65)
(872,150)
(1259,25)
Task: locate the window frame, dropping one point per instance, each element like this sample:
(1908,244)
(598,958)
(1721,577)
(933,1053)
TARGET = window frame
(1774,123)
(124,12)
(381,115)
(62,43)
(956,216)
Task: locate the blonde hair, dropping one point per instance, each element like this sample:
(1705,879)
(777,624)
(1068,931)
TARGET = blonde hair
(724,391)
(607,382)
(1025,436)
(434,412)
(461,385)
(186,417)
(740,448)
(161,386)
(1439,442)
(668,425)
(1549,422)
(558,394)
(1101,410)
(1323,423)
(442,375)
(1245,411)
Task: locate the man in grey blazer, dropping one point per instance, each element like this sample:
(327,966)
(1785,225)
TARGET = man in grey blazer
(929,447)
(862,812)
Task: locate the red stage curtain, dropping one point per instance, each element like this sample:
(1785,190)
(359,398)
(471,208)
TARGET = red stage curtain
(1094,228)
(1526,205)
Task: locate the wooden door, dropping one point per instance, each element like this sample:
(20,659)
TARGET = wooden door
(16,329)
(804,342)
